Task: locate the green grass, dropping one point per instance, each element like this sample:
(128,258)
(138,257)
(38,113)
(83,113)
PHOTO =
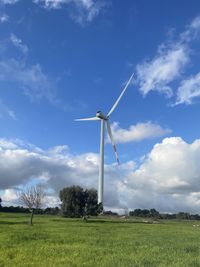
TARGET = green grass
(56,241)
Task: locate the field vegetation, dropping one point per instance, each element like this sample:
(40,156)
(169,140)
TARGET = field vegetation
(101,241)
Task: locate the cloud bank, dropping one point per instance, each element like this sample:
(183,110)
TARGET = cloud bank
(167,178)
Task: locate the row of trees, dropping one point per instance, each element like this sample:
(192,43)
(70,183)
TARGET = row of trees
(152,213)
(78,202)
(21,209)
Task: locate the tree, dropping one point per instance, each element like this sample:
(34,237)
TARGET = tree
(77,202)
(91,202)
(145,213)
(154,213)
(73,201)
(32,198)
(0,202)
(183,216)
(136,212)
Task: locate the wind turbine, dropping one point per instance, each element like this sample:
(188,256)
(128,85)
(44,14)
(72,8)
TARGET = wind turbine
(105,120)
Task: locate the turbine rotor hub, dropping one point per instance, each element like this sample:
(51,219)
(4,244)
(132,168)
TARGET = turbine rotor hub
(100,115)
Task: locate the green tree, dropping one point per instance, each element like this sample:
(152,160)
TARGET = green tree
(183,216)
(77,202)
(91,202)
(73,201)
(0,202)
(154,213)
(137,212)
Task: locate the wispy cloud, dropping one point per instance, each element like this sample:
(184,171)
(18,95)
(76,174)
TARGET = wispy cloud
(6,112)
(156,75)
(188,90)
(192,31)
(4,18)
(81,11)
(31,78)
(18,43)
(8,1)
(87,4)
(84,11)
(169,64)
(138,132)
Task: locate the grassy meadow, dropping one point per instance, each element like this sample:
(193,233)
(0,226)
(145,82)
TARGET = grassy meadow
(56,241)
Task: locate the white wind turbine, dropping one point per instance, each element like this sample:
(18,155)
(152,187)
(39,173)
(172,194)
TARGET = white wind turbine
(105,119)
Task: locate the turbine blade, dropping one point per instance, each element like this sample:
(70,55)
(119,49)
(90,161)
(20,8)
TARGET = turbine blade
(112,140)
(116,103)
(88,119)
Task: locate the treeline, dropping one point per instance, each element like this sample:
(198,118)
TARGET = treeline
(20,209)
(78,202)
(153,213)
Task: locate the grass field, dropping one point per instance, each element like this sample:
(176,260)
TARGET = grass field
(56,241)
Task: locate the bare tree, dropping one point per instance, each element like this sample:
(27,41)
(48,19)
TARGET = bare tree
(32,198)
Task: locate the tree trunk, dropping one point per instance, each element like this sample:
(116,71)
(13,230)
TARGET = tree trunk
(31,218)
(84,218)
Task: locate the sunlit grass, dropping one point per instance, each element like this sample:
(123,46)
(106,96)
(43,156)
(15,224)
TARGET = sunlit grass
(56,241)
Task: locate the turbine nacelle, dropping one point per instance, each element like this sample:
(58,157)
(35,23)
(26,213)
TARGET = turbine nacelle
(100,115)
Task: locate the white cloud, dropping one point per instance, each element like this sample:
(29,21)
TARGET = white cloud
(155,75)
(137,132)
(9,197)
(4,18)
(192,30)
(58,3)
(169,64)
(188,90)
(7,144)
(8,1)
(85,10)
(59,149)
(82,11)
(167,179)
(18,43)
(51,201)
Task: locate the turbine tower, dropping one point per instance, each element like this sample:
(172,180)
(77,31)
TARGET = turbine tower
(105,120)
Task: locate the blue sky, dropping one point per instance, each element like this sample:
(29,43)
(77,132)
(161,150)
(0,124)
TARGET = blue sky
(66,59)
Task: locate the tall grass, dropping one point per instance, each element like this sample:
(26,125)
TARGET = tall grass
(56,241)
